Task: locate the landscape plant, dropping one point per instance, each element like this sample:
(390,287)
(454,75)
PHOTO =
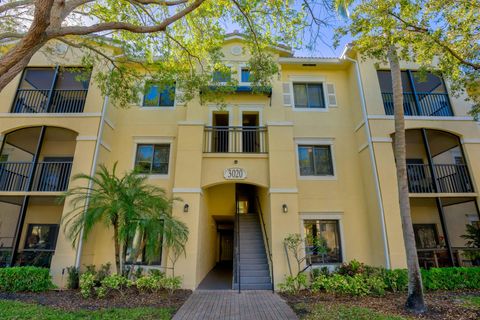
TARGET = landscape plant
(32,279)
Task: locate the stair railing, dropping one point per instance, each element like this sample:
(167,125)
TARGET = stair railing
(237,247)
(269,253)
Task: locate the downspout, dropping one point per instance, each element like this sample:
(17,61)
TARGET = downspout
(92,173)
(373,162)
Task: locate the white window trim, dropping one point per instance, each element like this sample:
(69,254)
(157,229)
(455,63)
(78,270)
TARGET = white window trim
(250,109)
(325,216)
(142,97)
(154,140)
(319,142)
(216,109)
(309,79)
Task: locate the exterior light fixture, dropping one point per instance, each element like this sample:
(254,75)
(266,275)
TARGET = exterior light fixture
(185,207)
(284,208)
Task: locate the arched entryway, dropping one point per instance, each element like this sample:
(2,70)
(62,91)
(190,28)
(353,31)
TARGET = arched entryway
(234,237)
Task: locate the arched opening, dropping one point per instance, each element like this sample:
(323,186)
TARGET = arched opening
(34,163)
(442,211)
(233,228)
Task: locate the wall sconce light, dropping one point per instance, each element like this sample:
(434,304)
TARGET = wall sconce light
(185,207)
(284,208)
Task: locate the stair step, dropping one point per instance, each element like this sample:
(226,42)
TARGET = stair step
(244,255)
(255,273)
(259,266)
(254,280)
(246,261)
(253,286)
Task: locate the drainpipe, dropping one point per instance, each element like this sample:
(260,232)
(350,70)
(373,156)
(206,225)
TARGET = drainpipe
(373,162)
(92,173)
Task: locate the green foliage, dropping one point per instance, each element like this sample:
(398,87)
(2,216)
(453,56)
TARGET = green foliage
(341,312)
(293,284)
(116,282)
(12,310)
(171,283)
(73,277)
(472,236)
(351,268)
(451,278)
(396,280)
(34,279)
(129,205)
(472,302)
(356,285)
(87,283)
(150,283)
(442,37)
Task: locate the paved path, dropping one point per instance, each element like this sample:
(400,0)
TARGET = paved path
(229,304)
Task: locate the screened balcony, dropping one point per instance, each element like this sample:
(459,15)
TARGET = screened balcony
(37,159)
(227,139)
(435,163)
(52,90)
(423,95)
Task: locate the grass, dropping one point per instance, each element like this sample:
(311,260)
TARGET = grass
(471,302)
(10,310)
(341,312)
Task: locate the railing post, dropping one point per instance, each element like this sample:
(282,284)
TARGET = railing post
(52,88)
(412,84)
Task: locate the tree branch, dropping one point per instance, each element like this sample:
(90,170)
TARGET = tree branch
(80,30)
(427,32)
(249,22)
(13,5)
(11,35)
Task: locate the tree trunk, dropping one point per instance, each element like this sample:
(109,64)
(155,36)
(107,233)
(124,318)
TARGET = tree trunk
(415,300)
(135,258)
(117,249)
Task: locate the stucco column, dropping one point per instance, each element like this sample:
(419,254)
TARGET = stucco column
(283,191)
(188,173)
(64,252)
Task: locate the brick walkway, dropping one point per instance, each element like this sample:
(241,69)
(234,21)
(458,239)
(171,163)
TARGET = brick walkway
(223,304)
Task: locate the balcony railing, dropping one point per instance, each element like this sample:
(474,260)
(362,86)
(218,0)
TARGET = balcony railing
(235,140)
(420,104)
(49,176)
(446,178)
(49,101)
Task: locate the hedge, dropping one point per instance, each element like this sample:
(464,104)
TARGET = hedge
(34,279)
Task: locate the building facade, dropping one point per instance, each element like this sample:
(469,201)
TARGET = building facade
(313,156)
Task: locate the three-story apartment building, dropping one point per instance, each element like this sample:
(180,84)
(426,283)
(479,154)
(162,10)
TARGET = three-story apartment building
(313,156)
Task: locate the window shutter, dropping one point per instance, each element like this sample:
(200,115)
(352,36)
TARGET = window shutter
(332,98)
(287,95)
(179,96)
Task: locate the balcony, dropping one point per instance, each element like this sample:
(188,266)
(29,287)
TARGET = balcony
(420,104)
(226,139)
(446,178)
(47,176)
(52,90)
(49,101)
(436,163)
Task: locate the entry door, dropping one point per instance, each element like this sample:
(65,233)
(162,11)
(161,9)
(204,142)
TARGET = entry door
(250,134)
(226,246)
(220,132)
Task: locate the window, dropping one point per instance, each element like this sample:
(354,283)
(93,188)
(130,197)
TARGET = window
(322,239)
(308,95)
(41,237)
(137,255)
(159,96)
(152,158)
(245,75)
(426,236)
(315,160)
(222,76)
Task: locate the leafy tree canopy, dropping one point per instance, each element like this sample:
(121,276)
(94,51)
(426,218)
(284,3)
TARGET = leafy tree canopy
(441,36)
(167,40)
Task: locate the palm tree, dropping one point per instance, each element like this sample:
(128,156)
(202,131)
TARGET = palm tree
(128,205)
(415,300)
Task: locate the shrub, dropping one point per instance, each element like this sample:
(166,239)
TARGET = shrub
(171,283)
(149,283)
(451,278)
(351,268)
(34,279)
(87,283)
(396,280)
(73,278)
(294,284)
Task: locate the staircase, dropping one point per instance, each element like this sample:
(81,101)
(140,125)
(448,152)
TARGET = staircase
(253,264)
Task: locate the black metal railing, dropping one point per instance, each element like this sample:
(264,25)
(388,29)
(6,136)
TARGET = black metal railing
(420,104)
(446,178)
(49,101)
(221,139)
(49,176)
(267,244)
(14,175)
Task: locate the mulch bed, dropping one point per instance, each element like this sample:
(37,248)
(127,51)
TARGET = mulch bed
(71,300)
(442,305)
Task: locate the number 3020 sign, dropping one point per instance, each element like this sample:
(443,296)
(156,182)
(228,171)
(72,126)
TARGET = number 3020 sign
(234,174)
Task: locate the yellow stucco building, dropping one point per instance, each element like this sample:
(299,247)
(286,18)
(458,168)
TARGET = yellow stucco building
(314,156)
